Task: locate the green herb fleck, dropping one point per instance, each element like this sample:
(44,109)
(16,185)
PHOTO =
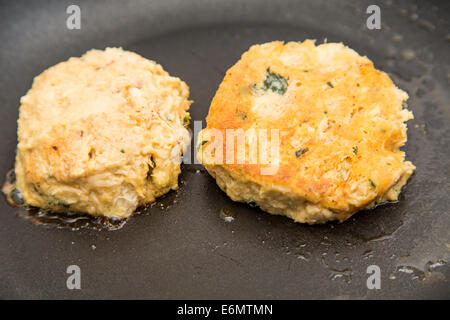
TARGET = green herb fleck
(243,115)
(251,203)
(298,153)
(151,165)
(255,89)
(59,203)
(372,184)
(51,200)
(121,150)
(201,144)
(355,150)
(36,189)
(186,119)
(329,84)
(275,82)
(305,70)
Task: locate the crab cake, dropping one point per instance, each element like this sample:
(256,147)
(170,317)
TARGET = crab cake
(340,125)
(101,134)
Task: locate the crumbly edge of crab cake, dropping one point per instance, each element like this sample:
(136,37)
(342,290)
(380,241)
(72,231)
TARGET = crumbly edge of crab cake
(282,201)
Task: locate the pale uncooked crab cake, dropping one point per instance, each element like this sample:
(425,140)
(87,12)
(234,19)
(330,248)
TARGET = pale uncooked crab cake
(101,134)
(340,123)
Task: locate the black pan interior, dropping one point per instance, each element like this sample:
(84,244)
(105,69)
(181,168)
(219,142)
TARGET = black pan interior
(180,247)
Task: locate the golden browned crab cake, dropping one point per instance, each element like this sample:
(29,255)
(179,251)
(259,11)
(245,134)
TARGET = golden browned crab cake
(101,134)
(340,122)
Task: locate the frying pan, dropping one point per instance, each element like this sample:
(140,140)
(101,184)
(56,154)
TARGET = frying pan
(180,247)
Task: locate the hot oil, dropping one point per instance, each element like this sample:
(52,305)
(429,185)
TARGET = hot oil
(71,220)
(60,220)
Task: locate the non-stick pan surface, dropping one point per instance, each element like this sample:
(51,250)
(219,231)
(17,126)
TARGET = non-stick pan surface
(181,248)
